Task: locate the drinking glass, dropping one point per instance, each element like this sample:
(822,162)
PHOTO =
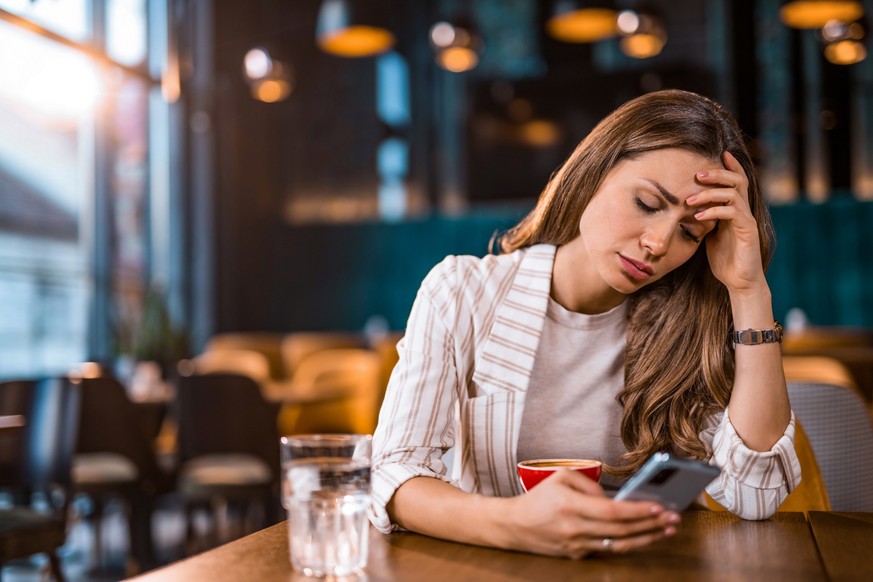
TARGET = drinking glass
(326,490)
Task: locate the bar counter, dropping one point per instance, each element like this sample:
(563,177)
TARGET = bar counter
(709,546)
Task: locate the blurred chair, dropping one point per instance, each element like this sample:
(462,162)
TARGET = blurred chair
(249,363)
(818,369)
(265,343)
(115,459)
(297,346)
(811,494)
(38,475)
(841,432)
(354,371)
(228,447)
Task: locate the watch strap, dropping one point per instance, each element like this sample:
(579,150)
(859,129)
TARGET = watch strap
(753,337)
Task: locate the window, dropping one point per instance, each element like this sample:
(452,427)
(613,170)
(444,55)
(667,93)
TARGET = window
(46,95)
(75,178)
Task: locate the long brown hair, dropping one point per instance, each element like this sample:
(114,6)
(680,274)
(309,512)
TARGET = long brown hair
(679,363)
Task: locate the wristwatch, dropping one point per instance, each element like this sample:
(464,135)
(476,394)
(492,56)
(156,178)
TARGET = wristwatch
(753,337)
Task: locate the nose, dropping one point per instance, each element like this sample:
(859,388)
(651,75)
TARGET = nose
(656,239)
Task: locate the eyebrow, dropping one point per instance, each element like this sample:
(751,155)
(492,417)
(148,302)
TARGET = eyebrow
(664,192)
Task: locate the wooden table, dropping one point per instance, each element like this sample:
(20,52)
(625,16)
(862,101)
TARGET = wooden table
(845,543)
(709,546)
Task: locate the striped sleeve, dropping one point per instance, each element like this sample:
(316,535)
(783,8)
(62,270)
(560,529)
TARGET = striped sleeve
(752,484)
(417,419)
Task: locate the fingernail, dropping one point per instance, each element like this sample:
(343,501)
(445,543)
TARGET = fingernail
(674,518)
(702,174)
(655,509)
(670,531)
(691,199)
(699,215)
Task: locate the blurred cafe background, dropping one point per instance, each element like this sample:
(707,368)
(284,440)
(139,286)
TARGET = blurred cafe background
(198,191)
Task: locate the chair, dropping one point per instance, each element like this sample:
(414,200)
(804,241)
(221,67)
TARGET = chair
(228,445)
(820,369)
(265,343)
(115,459)
(811,494)
(841,432)
(358,372)
(38,475)
(297,346)
(238,361)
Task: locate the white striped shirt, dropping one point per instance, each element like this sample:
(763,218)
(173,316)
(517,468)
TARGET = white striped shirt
(465,363)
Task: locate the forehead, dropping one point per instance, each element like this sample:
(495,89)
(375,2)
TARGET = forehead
(670,160)
(673,170)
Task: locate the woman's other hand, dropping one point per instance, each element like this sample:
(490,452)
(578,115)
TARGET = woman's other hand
(734,249)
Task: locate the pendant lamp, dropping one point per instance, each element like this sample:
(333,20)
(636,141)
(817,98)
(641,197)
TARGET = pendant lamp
(456,45)
(642,34)
(350,28)
(843,42)
(270,79)
(817,13)
(581,22)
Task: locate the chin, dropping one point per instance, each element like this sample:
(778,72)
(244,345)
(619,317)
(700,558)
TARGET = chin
(627,286)
(624,286)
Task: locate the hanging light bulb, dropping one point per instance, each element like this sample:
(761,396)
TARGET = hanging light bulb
(348,28)
(582,22)
(456,45)
(817,13)
(843,42)
(643,35)
(269,78)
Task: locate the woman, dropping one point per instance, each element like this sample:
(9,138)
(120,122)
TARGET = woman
(603,329)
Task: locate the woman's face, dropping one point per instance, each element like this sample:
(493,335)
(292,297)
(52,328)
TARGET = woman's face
(638,227)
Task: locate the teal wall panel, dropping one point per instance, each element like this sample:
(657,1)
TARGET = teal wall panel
(335,277)
(823,262)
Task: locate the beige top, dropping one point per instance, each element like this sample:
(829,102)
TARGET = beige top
(570,410)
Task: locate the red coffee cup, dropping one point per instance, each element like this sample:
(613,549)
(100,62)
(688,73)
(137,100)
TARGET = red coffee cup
(533,471)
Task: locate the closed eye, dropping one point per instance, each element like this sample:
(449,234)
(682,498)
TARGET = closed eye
(645,207)
(690,234)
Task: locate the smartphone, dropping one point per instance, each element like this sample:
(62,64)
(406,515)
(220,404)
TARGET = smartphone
(669,480)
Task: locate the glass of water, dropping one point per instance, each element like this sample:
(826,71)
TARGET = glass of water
(326,490)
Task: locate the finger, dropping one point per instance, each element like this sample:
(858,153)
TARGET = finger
(578,482)
(624,529)
(722,178)
(733,164)
(605,509)
(733,174)
(622,545)
(719,212)
(713,196)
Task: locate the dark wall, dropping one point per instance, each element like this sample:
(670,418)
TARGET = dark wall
(273,275)
(322,139)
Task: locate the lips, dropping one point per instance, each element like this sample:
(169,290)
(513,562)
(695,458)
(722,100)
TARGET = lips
(636,269)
